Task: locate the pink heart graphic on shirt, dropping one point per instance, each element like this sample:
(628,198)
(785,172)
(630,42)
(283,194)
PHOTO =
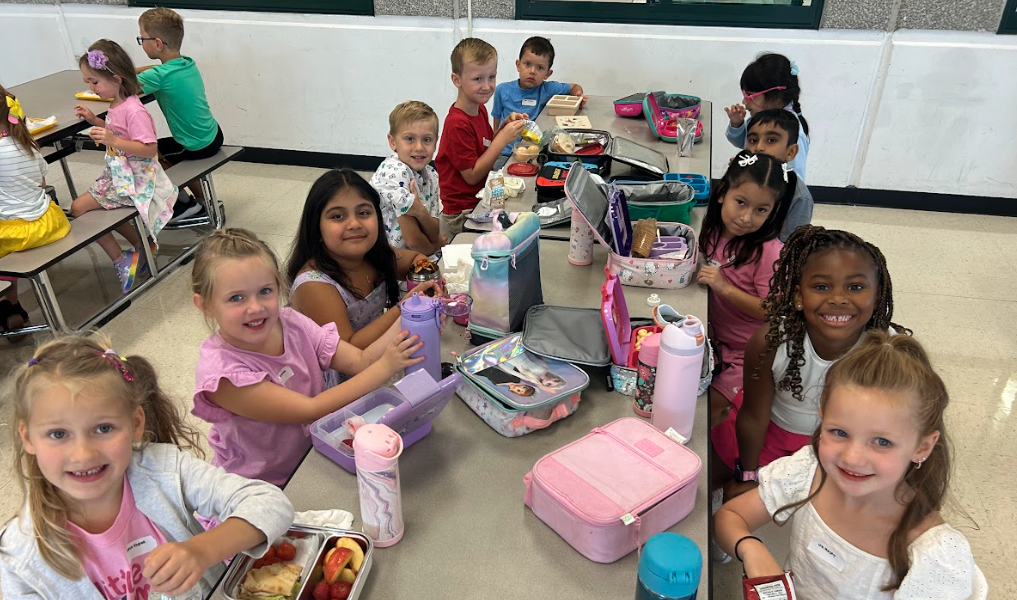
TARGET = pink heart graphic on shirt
(632,262)
(670,280)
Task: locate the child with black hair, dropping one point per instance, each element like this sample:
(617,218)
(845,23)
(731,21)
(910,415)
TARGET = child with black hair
(342,268)
(770,81)
(775,132)
(531,92)
(739,243)
(830,287)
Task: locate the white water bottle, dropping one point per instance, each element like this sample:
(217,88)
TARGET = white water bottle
(676,388)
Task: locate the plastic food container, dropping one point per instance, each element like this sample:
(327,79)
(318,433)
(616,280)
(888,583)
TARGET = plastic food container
(324,540)
(525,151)
(513,186)
(408,408)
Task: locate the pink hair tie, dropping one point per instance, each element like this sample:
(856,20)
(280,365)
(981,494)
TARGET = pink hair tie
(97,59)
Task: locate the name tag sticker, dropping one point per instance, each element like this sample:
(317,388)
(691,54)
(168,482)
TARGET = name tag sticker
(827,554)
(285,374)
(140,547)
(487,143)
(529,102)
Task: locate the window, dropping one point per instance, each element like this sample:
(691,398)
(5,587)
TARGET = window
(774,14)
(341,7)
(1009,24)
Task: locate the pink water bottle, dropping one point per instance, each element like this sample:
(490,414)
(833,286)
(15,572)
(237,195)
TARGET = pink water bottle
(580,240)
(676,388)
(376,449)
(646,374)
(420,317)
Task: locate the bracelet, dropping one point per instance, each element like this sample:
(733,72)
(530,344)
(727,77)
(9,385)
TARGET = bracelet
(747,537)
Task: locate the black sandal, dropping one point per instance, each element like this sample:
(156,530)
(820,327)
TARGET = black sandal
(13,317)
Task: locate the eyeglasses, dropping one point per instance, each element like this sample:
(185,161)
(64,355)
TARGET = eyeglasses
(141,40)
(747,95)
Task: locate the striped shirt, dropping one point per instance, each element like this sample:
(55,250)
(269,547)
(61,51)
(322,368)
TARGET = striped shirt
(21,175)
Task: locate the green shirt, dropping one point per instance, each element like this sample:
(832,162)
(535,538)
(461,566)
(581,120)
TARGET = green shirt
(178,89)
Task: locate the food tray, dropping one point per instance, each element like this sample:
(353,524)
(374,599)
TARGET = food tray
(699,183)
(312,573)
(564,105)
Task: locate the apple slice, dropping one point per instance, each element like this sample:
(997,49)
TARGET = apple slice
(358,553)
(348,576)
(335,562)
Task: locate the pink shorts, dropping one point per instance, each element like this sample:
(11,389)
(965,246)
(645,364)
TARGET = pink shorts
(779,442)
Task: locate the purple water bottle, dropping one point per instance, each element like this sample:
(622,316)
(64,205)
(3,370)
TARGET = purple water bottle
(420,316)
(679,365)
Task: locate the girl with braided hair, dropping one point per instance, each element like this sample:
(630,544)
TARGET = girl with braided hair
(829,288)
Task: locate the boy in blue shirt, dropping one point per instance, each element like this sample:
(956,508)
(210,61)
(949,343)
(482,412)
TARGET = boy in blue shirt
(531,91)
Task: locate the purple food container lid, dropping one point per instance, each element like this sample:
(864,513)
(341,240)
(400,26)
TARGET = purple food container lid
(417,398)
(615,313)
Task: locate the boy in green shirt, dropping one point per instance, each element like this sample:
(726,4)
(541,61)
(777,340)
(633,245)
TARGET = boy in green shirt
(180,92)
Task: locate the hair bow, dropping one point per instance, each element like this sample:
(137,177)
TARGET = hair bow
(794,68)
(14,110)
(97,59)
(749,160)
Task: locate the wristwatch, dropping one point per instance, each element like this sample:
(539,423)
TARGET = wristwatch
(743,476)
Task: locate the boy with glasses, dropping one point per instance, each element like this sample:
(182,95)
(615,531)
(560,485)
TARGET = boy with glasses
(180,92)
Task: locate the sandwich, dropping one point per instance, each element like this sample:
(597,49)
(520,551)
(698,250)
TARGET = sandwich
(273,582)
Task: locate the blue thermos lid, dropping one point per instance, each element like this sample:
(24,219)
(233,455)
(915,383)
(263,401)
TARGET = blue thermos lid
(670,566)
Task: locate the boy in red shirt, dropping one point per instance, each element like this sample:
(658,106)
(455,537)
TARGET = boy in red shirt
(469,145)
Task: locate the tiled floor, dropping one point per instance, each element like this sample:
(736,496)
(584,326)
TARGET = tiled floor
(955,285)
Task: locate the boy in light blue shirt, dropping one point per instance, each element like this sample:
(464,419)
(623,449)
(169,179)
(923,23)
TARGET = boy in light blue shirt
(531,91)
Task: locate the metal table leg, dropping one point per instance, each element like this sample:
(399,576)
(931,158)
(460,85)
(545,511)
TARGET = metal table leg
(59,145)
(48,303)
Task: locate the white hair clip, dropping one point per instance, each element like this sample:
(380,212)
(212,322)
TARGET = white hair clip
(746,161)
(786,167)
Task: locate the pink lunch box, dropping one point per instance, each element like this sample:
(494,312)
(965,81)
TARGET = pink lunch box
(611,490)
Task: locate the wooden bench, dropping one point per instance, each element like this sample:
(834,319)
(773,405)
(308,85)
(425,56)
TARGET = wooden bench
(187,171)
(32,265)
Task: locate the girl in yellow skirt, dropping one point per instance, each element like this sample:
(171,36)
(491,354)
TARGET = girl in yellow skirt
(27,217)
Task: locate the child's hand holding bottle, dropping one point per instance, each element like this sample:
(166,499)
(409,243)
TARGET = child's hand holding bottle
(397,353)
(736,113)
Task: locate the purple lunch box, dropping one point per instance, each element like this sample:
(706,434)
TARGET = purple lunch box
(408,408)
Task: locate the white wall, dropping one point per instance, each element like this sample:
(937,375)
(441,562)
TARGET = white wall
(940,120)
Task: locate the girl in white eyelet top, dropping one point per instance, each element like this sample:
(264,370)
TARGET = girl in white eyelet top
(864,498)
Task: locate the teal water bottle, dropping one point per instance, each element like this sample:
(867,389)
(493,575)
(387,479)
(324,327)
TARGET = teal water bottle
(669,568)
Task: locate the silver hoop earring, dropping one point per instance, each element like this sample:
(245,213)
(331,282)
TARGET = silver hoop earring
(920,461)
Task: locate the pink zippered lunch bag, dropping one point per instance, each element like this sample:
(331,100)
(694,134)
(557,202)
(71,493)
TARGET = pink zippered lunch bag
(611,490)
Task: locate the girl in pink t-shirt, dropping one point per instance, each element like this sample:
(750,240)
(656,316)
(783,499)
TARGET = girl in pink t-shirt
(110,485)
(133,176)
(260,376)
(739,244)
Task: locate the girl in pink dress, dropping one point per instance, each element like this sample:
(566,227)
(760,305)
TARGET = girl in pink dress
(739,244)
